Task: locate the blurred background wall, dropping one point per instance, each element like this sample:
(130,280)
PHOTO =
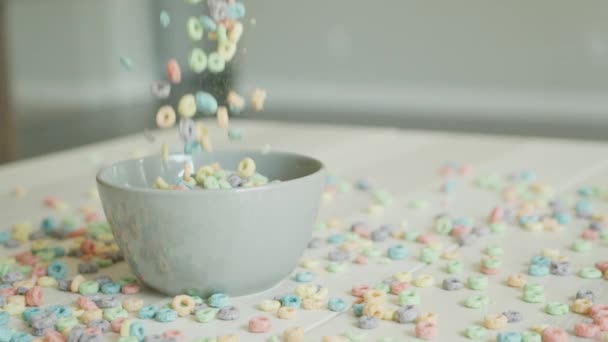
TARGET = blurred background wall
(513,67)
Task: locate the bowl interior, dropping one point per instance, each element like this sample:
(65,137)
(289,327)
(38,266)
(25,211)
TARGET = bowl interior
(141,173)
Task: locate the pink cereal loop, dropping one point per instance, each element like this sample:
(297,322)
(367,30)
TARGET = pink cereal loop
(92,331)
(496,215)
(398,287)
(590,234)
(86,303)
(426,330)
(260,324)
(489,271)
(359,291)
(602,266)
(586,330)
(53,336)
(598,310)
(459,231)
(426,238)
(174,72)
(601,322)
(39,271)
(130,289)
(553,334)
(174,334)
(8,292)
(34,296)
(116,324)
(361,260)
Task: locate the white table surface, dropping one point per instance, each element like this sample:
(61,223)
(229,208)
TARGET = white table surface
(406,164)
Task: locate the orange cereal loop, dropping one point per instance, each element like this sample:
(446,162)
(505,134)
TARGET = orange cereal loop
(582,306)
(174,72)
(287,312)
(34,296)
(517,280)
(222,117)
(295,334)
(87,247)
(495,322)
(374,296)
(165,117)
(553,334)
(373,309)
(228,338)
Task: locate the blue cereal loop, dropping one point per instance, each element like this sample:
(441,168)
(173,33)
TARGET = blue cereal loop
(562,217)
(292,301)
(26,315)
(205,103)
(235,10)
(165,19)
(538,270)
(60,311)
(508,337)
(6,333)
(336,304)
(192,147)
(57,270)
(166,315)
(137,330)
(358,309)
(110,288)
(397,252)
(208,23)
(218,300)
(49,224)
(336,239)
(304,277)
(147,312)
(21,337)
(4,318)
(4,236)
(540,260)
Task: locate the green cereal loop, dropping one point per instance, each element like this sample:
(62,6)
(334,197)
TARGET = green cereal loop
(534,287)
(355,336)
(604,234)
(46,255)
(372,252)
(337,267)
(101,262)
(498,228)
(206,315)
(495,251)
(4,268)
(66,323)
(590,272)
(25,269)
(211,182)
(557,309)
(126,281)
(88,287)
(411,235)
(111,314)
(530,336)
(383,197)
(224,184)
(428,255)
(533,297)
(385,261)
(491,262)
(195,298)
(386,339)
(477,282)
(384,287)
(409,297)
(476,332)
(477,301)
(455,266)
(274,339)
(580,245)
(443,226)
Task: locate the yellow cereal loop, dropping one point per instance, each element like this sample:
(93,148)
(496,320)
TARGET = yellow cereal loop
(495,322)
(389,315)
(38,245)
(336,338)
(287,312)
(235,33)
(91,315)
(404,277)
(19,300)
(125,328)
(222,117)
(229,338)
(14,309)
(47,281)
(187,106)
(451,255)
(28,283)
(539,328)
(321,294)
(551,253)
(76,312)
(161,184)
(246,168)
(306,290)
(313,304)
(374,296)
(295,334)
(22,231)
(427,317)
(133,304)
(582,306)
(373,309)
(79,279)
(269,305)
(424,280)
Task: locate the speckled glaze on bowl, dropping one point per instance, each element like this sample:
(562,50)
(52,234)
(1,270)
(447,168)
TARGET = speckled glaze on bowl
(238,241)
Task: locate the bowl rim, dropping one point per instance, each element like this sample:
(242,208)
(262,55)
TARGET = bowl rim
(101,181)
